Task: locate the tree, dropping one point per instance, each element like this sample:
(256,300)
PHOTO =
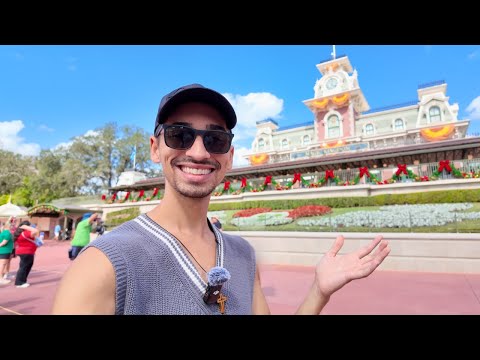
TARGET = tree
(14,168)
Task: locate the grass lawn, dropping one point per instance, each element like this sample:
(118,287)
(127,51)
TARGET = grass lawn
(468,226)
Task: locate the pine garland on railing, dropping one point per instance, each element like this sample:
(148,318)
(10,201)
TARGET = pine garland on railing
(365,172)
(296,177)
(448,167)
(402,169)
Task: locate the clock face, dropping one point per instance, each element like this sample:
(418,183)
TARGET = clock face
(332,83)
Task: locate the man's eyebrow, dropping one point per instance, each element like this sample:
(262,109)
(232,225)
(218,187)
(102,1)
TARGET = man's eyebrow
(182,123)
(216,127)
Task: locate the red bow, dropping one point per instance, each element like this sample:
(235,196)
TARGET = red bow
(402,169)
(268,180)
(226,186)
(114,196)
(364,171)
(296,177)
(329,174)
(127,196)
(155,192)
(444,164)
(141,194)
(244,183)
(104,197)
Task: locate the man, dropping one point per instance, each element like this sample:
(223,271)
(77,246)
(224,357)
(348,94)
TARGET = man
(216,222)
(56,231)
(159,262)
(81,237)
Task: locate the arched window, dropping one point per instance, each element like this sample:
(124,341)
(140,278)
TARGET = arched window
(399,124)
(306,140)
(333,126)
(284,144)
(261,144)
(369,130)
(435,115)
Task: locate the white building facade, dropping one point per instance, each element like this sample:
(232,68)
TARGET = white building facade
(343,122)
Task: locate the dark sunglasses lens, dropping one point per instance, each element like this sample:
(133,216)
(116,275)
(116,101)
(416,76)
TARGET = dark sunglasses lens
(180,138)
(217,142)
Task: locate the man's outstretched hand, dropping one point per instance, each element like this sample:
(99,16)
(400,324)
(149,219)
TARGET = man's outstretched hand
(334,271)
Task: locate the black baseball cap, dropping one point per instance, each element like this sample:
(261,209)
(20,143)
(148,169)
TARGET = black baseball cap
(194,93)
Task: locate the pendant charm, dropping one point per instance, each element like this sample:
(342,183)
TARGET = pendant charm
(222,299)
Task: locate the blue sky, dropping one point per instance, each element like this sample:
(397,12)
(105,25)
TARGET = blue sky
(50,94)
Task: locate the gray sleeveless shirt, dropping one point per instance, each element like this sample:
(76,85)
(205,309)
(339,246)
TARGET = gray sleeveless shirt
(155,276)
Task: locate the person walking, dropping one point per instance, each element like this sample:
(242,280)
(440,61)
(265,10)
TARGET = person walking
(25,248)
(6,249)
(81,237)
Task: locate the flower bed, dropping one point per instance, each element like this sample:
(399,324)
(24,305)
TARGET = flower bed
(263,219)
(309,210)
(399,216)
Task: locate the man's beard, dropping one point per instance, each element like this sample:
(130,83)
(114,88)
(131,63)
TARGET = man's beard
(193,190)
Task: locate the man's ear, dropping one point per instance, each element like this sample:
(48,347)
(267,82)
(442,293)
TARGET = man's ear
(230,160)
(154,149)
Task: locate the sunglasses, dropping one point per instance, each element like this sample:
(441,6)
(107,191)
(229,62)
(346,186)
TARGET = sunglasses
(181,137)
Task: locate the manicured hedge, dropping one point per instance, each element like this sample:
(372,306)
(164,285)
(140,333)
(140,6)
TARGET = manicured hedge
(431,197)
(116,218)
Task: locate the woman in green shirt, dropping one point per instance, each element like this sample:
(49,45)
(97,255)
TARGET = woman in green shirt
(6,248)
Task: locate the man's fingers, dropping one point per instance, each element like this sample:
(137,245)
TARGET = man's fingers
(364,251)
(337,245)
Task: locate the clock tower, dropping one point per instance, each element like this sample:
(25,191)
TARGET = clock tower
(337,101)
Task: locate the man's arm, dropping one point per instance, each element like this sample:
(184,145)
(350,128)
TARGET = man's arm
(88,286)
(260,305)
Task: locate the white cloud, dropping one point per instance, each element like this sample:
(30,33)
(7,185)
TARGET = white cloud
(44,127)
(62,145)
(72,63)
(238,159)
(473,109)
(11,141)
(252,108)
(91,133)
(473,55)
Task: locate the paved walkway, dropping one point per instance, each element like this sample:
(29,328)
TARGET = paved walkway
(383,292)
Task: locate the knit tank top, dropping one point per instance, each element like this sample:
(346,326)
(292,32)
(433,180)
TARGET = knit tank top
(154,275)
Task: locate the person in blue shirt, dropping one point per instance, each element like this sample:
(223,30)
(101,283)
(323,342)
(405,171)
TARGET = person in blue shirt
(57,231)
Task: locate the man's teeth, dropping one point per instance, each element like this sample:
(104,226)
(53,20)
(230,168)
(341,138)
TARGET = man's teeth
(196,171)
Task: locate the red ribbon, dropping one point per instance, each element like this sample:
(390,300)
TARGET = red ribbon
(268,180)
(141,194)
(127,196)
(364,171)
(155,192)
(114,196)
(329,174)
(444,164)
(402,169)
(226,186)
(244,183)
(104,197)
(296,177)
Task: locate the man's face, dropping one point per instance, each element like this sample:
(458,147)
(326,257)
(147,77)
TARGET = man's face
(193,172)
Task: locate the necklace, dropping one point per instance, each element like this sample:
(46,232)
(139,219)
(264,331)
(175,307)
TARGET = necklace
(193,257)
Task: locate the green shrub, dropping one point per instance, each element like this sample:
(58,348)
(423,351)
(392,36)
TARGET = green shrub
(431,197)
(116,218)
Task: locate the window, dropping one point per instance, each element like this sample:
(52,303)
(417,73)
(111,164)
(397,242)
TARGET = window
(284,144)
(333,126)
(306,140)
(399,124)
(261,144)
(369,130)
(435,115)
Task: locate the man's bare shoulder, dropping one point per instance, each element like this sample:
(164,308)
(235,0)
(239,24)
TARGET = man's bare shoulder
(88,286)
